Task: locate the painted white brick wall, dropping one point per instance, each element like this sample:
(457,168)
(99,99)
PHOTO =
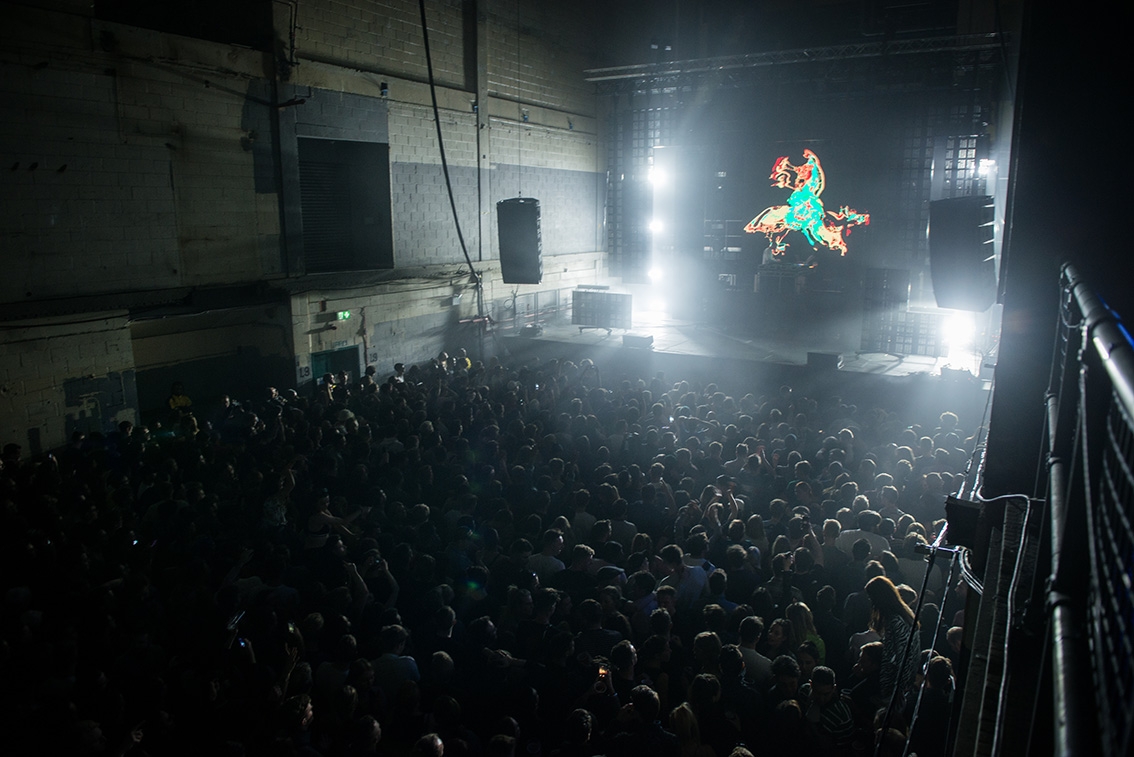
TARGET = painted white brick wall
(131,173)
(537,146)
(384,36)
(138,170)
(76,203)
(538,52)
(413,136)
(413,321)
(131,181)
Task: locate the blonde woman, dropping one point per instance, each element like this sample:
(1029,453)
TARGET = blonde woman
(803,629)
(683,723)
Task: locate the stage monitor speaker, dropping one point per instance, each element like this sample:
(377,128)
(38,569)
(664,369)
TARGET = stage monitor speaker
(601,310)
(517,221)
(964,520)
(638,341)
(961,254)
(826,361)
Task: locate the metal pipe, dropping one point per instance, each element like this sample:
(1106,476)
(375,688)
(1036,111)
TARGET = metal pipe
(1056,486)
(1072,700)
(1109,336)
(1072,703)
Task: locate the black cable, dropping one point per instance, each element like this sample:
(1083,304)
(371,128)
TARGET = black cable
(1071,321)
(982,430)
(1043,671)
(445,163)
(933,646)
(894,695)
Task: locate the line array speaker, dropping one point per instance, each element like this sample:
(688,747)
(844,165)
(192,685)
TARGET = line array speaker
(517,221)
(961,253)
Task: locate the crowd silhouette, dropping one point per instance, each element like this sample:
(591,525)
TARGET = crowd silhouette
(478,559)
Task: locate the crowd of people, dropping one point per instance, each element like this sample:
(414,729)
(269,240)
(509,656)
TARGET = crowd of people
(476,559)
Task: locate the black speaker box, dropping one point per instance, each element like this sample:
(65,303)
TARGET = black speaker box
(638,341)
(826,361)
(964,519)
(960,253)
(601,309)
(517,221)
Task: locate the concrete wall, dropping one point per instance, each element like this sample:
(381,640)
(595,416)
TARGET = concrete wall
(144,169)
(412,320)
(236,351)
(61,377)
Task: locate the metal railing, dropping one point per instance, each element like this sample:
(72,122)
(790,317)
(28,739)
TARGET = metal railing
(1090,493)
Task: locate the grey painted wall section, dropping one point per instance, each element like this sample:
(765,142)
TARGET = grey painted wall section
(568,204)
(424,232)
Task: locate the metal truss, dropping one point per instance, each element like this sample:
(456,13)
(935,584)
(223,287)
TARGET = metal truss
(679,74)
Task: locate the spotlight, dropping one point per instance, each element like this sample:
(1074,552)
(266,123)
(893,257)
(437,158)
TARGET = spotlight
(655,275)
(658,177)
(958,330)
(656,226)
(986,166)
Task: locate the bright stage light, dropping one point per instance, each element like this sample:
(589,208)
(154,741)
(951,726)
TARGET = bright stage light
(655,275)
(658,177)
(986,166)
(958,331)
(656,226)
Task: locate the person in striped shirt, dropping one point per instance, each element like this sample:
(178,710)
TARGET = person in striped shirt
(826,712)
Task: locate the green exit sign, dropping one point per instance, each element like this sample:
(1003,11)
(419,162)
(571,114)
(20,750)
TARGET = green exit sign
(343,315)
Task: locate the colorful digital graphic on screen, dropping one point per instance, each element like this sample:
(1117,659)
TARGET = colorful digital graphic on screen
(804,211)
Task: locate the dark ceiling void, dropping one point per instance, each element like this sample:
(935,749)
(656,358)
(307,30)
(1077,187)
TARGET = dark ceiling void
(246,23)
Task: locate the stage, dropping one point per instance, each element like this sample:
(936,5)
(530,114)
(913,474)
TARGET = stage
(815,361)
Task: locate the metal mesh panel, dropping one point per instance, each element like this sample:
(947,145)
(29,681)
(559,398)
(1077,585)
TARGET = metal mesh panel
(962,176)
(638,124)
(913,201)
(1113,572)
(1090,460)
